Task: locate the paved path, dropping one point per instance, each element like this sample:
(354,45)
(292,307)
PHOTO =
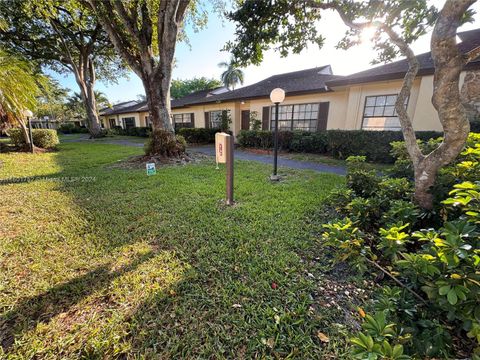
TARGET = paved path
(268,159)
(239,154)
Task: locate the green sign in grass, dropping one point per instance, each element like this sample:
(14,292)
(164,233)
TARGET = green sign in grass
(151,169)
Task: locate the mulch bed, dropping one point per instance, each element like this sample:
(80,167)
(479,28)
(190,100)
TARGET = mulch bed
(140,161)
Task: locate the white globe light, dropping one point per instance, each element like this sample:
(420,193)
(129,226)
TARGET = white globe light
(277,95)
(27,113)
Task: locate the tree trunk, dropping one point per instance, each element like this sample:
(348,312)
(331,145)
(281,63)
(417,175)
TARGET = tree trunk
(158,100)
(85,78)
(26,136)
(449,63)
(88,97)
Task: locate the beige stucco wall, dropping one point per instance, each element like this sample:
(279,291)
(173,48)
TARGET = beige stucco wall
(199,113)
(119,122)
(345,111)
(358,93)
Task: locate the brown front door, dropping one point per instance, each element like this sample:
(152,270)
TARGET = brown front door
(245,119)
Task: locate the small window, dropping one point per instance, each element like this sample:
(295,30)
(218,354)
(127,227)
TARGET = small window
(128,122)
(182,121)
(379,113)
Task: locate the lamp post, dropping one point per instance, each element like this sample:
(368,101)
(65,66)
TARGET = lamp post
(276,96)
(29,115)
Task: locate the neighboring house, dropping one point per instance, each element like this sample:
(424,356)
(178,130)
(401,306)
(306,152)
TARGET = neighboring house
(47,123)
(315,99)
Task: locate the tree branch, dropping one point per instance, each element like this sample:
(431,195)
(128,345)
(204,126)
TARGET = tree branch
(112,30)
(472,55)
(390,275)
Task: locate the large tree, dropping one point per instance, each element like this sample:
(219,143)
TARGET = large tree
(181,88)
(66,37)
(145,33)
(397,24)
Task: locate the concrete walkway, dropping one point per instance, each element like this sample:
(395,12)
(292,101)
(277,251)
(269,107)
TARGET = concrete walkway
(268,159)
(239,154)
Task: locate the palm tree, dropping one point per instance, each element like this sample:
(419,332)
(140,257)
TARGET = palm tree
(19,88)
(232,76)
(76,106)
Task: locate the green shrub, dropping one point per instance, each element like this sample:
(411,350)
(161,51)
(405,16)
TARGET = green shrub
(255,122)
(133,131)
(70,128)
(436,309)
(199,135)
(362,181)
(304,141)
(42,138)
(66,128)
(374,145)
(259,139)
(401,211)
(395,189)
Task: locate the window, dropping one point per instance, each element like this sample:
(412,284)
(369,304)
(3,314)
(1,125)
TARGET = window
(112,122)
(128,122)
(182,121)
(296,117)
(215,119)
(379,113)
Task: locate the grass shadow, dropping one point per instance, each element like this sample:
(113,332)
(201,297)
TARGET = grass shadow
(43,307)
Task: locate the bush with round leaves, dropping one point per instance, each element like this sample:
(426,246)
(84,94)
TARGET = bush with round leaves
(42,138)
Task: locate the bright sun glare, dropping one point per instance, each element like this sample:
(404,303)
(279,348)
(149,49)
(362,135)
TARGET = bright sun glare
(367,34)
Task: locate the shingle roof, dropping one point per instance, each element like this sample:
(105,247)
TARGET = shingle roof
(396,70)
(123,108)
(193,97)
(294,83)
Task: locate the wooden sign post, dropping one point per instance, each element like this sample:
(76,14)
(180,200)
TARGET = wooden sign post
(224,155)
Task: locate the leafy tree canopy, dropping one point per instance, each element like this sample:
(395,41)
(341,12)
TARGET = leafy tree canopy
(181,88)
(51,102)
(290,26)
(57,34)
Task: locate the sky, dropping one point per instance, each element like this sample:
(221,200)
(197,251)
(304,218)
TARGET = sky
(202,56)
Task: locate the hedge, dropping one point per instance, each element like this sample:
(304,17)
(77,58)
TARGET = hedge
(133,131)
(199,135)
(69,128)
(42,138)
(375,145)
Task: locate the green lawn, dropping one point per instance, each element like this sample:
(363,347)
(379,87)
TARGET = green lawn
(97,262)
(136,139)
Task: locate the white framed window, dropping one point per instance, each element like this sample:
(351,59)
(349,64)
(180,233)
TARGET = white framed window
(296,117)
(379,113)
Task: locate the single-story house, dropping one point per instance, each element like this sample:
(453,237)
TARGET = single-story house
(316,99)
